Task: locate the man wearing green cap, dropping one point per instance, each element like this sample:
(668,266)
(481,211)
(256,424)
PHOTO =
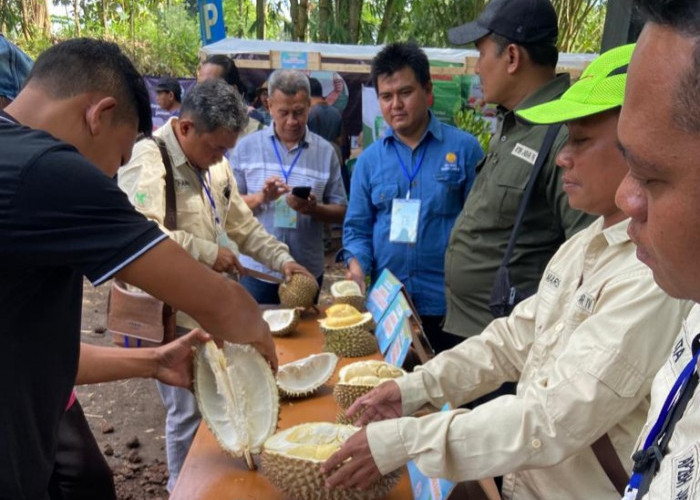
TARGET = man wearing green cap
(583,349)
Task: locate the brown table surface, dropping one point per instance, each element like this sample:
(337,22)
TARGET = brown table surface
(209,473)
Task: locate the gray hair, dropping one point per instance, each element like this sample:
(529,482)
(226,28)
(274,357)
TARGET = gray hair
(214,104)
(289,82)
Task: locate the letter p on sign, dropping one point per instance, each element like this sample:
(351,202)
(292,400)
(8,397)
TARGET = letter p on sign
(211,21)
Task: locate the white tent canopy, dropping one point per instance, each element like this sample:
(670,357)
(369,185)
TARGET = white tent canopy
(234,46)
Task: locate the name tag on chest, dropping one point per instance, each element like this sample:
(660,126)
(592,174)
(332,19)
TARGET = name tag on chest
(524,153)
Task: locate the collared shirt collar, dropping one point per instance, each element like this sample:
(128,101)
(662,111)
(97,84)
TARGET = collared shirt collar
(167,133)
(547,92)
(269,131)
(617,233)
(433,129)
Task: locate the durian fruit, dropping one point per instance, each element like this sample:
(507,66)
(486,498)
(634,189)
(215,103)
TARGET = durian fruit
(281,321)
(299,291)
(304,376)
(237,397)
(291,460)
(357,379)
(351,320)
(351,344)
(348,292)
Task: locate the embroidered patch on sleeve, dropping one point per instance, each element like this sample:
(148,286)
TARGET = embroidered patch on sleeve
(140,198)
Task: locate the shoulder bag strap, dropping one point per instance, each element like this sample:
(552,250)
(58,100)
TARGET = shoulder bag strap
(170,220)
(545,149)
(610,462)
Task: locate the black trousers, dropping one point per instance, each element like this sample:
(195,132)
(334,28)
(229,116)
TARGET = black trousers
(80,471)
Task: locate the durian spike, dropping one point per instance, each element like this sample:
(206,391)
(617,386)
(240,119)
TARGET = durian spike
(249,460)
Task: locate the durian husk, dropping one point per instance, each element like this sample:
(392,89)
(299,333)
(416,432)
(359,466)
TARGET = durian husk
(283,332)
(299,291)
(300,478)
(350,344)
(340,417)
(340,296)
(357,379)
(356,301)
(237,396)
(317,369)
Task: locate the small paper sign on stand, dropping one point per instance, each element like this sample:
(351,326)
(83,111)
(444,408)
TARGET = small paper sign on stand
(383,292)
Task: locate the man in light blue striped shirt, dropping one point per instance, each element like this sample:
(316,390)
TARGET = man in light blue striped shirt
(267,166)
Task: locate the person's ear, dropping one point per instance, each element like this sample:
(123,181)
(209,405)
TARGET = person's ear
(429,87)
(100,114)
(185,126)
(514,55)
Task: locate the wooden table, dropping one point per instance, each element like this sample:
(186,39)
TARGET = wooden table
(209,473)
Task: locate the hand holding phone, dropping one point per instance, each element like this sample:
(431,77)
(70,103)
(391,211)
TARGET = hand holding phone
(302,191)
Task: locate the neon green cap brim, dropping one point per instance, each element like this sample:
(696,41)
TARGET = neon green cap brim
(563,111)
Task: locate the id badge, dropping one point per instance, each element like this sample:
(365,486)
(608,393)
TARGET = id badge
(285,216)
(404,221)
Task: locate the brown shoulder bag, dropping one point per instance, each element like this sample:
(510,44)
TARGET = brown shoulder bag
(135,318)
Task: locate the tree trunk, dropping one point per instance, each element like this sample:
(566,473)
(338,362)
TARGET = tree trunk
(389,18)
(342,17)
(103,16)
(325,10)
(76,17)
(299,11)
(260,19)
(354,17)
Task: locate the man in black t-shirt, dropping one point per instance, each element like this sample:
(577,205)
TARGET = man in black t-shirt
(62,218)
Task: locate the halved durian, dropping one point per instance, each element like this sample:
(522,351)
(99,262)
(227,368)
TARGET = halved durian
(299,291)
(237,397)
(351,320)
(304,376)
(281,321)
(348,292)
(292,459)
(357,379)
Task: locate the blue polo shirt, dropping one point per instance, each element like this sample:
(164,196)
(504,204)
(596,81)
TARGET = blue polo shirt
(442,184)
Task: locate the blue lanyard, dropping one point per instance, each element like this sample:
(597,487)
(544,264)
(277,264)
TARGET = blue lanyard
(286,173)
(209,196)
(415,168)
(669,405)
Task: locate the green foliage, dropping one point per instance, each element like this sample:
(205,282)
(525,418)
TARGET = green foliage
(471,121)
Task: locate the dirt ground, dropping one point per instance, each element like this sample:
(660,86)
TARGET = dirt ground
(127,417)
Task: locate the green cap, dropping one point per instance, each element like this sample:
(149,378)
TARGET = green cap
(601,87)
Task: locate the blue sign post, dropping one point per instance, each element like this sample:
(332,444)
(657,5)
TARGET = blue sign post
(211,21)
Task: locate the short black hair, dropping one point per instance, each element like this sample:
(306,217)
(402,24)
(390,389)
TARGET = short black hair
(82,65)
(682,16)
(541,54)
(316,87)
(397,56)
(230,71)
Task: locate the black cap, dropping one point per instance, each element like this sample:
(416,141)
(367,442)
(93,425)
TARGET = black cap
(520,21)
(170,84)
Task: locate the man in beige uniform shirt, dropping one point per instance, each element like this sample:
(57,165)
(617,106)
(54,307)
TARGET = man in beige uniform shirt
(660,138)
(213,222)
(584,349)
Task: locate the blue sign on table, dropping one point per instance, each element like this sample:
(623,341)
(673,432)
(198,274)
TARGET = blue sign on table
(390,323)
(396,354)
(383,292)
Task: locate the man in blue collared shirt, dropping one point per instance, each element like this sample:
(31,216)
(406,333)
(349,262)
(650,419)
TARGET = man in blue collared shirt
(421,167)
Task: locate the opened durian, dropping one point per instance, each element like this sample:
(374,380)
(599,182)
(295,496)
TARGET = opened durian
(343,318)
(304,376)
(348,292)
(281,321)
(351,344)
(299,291)
(357,379)
(292,459)
(237,397)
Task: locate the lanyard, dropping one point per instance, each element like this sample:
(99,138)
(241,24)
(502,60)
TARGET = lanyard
(669,405)
(415,168)
(286,173)
(209,196)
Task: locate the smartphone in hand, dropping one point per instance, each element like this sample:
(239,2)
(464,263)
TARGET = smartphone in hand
(302,191)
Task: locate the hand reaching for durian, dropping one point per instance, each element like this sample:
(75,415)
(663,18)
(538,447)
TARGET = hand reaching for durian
(356,274)
(291,267)
(381,403)
(359,472)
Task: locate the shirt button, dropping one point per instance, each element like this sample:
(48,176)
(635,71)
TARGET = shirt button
(503,138)
(536,443)
(559,327)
